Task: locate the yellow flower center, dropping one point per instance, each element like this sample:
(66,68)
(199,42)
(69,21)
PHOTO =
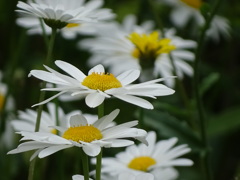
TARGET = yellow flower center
(86,133)
(101,81)
(71,25)
(193,3)
(148,47)
(2,98)
(141,163)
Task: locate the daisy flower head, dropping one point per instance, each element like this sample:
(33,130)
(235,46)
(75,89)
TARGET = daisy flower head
(26,120)
(187,10)
(71,30)
(82,134)
(98,85)
(62,13)
(155,158)
(123,176)
(128,45)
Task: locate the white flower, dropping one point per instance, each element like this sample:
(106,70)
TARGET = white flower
(72,29)
(123,176)
(186,10)
(26,120)
(118,46)
(154,158)
(98,85)
(60,13)
(89,137)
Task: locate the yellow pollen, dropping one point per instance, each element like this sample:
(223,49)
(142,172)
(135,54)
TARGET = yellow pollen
(141,163)
(149,46)
(2,98)
(71,25)
(101,81)
(193,3)
(86,133)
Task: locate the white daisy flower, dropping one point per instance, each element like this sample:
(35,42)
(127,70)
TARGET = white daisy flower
(123,176)
(89,137)
(128,45)
(153,158)
(62,13)
(186,10)
(26,120)
(71,30)
(98,85)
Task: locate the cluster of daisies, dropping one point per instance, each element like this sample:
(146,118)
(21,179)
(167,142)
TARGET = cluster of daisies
(131,52)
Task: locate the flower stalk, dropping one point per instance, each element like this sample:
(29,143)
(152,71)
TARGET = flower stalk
(99,156)
(85,165)
(202,118)
(42,97)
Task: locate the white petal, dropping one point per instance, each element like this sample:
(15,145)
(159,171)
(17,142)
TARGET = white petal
(106,120)
(97,69)
(121,143)
(135,100)
(78,119)
(95,99)
(128,76)
(70,69)
(91,149)
(50,150)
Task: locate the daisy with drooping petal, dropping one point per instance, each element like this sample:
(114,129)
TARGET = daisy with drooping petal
(99,85)
(62,13)
(128,45)
(154,158)
(89,137)
(186,10)
(71,30)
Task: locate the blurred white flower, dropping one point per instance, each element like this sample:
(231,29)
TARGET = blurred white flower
(3,92)
(130,46)
(71,30)
(189,10)
(156,158)
(63,13)
(123,176)
(82,134)
(26,120)
(98,85)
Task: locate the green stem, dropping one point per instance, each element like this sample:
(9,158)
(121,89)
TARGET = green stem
(42,93)
(99,156)
(202,119)
(85,165)
(181,88)
(99,166)
(42,97)
(31,169)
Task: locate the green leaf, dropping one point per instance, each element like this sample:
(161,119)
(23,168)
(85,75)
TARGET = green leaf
(168,126)
(208,82)
(224,123)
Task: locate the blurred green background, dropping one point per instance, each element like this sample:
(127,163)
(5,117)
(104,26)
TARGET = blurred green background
(220,77)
